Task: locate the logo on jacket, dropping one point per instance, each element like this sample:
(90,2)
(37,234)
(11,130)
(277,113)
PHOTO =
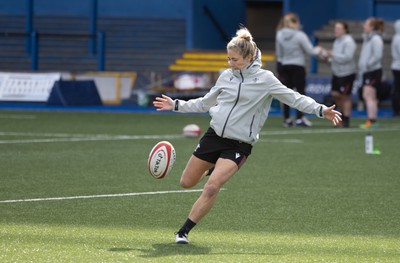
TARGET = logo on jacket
(237,155)
(230,79)
(255,80)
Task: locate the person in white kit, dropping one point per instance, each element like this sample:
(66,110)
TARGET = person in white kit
(291,47)
(396,69)
(370,67)
(239,104)
(343,64)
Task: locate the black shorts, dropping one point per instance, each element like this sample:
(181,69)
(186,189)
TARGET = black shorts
(372,78)
(212,147)
(396,79)
(343,85)
(294,77)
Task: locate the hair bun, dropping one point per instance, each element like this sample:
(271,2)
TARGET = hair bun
(244,34)
(243,43)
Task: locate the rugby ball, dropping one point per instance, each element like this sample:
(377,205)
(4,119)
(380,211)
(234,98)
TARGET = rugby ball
(191,131)
(161,159)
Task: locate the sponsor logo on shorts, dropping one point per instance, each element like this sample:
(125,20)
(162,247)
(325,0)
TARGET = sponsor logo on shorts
(197,147)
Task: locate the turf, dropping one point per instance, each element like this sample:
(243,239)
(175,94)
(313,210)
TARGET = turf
(304,195)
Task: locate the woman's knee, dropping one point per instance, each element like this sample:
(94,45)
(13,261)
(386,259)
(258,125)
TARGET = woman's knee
(211,190)
(368,92)
(336,95)
(187,180)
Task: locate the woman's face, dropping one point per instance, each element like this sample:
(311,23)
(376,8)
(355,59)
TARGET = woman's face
(236,61)
(367,26)
(339,30)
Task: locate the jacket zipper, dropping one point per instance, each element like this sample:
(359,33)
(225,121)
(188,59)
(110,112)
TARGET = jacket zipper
(251,125)
(237,100)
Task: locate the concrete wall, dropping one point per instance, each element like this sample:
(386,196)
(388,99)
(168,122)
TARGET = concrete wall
(313,13)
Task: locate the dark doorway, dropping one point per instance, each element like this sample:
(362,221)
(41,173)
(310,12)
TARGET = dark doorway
(262,18)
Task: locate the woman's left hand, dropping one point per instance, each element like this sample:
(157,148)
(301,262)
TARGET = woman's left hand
(333,115)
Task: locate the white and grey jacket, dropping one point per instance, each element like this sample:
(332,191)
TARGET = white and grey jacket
(240,101)
(396,47)
(371,53)
(343,59)
(292,46)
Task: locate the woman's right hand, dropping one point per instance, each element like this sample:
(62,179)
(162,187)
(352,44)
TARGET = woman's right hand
(163,103)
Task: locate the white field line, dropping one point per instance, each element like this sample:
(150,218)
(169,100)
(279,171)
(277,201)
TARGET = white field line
(301,131)
(31,134)
(80,138)
(100,196)
(17,117)
(116,138)
(65,137)
(281,140)
(75,135)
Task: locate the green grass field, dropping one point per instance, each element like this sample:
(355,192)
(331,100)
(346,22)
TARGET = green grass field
(304,195)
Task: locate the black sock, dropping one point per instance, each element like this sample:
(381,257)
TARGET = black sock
(187,226)
(210,171)
(346,121)
(372,120)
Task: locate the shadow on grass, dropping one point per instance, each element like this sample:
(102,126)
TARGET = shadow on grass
(170,249)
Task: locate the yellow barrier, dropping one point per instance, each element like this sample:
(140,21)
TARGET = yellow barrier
(203,61)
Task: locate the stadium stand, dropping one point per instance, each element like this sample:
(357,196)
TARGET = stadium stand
(132,44)
(155,48)
(142,44)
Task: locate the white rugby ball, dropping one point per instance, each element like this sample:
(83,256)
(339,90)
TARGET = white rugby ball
(191,131)
(161,159)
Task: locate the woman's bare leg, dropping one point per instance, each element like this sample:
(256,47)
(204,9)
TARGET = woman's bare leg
(194,172)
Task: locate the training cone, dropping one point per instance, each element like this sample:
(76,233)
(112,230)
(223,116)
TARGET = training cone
(376,150)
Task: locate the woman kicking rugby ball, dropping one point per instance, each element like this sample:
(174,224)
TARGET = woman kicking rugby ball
(238,104)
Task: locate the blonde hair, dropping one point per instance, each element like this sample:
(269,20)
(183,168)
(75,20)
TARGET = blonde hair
(291,20)
(243,43)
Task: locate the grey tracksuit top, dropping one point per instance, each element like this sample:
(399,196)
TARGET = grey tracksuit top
(371,53)
(292,46)
(343,61)
(241,99)
(396,47)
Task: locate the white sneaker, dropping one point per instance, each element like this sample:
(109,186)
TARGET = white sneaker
(288,123)
(303,122)
(181,238)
